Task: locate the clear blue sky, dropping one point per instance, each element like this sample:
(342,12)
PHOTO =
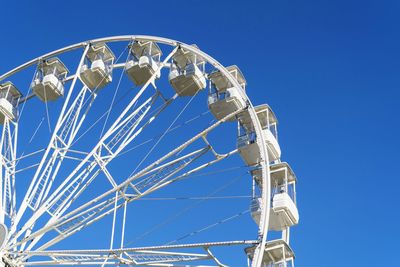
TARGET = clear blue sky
(329,69)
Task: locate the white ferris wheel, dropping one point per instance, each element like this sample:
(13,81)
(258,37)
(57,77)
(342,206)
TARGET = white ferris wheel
(88,132)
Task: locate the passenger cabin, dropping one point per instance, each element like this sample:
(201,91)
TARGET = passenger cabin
(48,83)
(224,98)
(144,62)
(9,96)
(277,253)
(246,142)
(284,211)
(186,74)
(96,72)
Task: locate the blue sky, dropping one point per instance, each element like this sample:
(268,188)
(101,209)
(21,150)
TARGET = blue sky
(329,69)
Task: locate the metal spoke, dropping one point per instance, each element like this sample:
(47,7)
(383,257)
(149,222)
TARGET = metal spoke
(8,149)
(143,256)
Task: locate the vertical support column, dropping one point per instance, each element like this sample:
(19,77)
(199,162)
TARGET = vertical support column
(2,178)
(286,235)
(8,148)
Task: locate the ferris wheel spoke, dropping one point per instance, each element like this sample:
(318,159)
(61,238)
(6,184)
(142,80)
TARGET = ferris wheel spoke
(8,146)
(161,173)
(69,225)
(139,258)
(71,123)
(167,255)
(97,161)
(169,170)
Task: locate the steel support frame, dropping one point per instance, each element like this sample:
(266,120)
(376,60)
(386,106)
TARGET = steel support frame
(264,164)
(167,255)
(8,151)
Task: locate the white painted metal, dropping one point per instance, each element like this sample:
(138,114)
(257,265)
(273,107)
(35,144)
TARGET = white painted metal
(187,77)
(248,148)
(48,82)
(119,135)
(143,256)
(3,234)
(222,83)
(144,62)
(97,71)
(277,253)
(9,96)
(159,177)
(40,181)
(8,151)
(224,98)
(283,212)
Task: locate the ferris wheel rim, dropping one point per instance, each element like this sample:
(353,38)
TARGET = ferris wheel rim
(264,163)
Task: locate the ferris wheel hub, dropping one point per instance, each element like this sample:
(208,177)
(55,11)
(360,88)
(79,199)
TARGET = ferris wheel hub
(3,235)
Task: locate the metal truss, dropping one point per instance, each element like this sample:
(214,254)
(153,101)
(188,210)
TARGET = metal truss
(47,206)
(168,255)
(8,149)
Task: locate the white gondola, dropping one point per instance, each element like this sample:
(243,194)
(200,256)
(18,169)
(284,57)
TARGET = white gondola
(248,148)
(96,72)
(277,253)
(9,96)
(224,98)
(186,74)
(144,62)
(48,83)
(284,211)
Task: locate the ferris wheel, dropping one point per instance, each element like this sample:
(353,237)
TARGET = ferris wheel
(89,133)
